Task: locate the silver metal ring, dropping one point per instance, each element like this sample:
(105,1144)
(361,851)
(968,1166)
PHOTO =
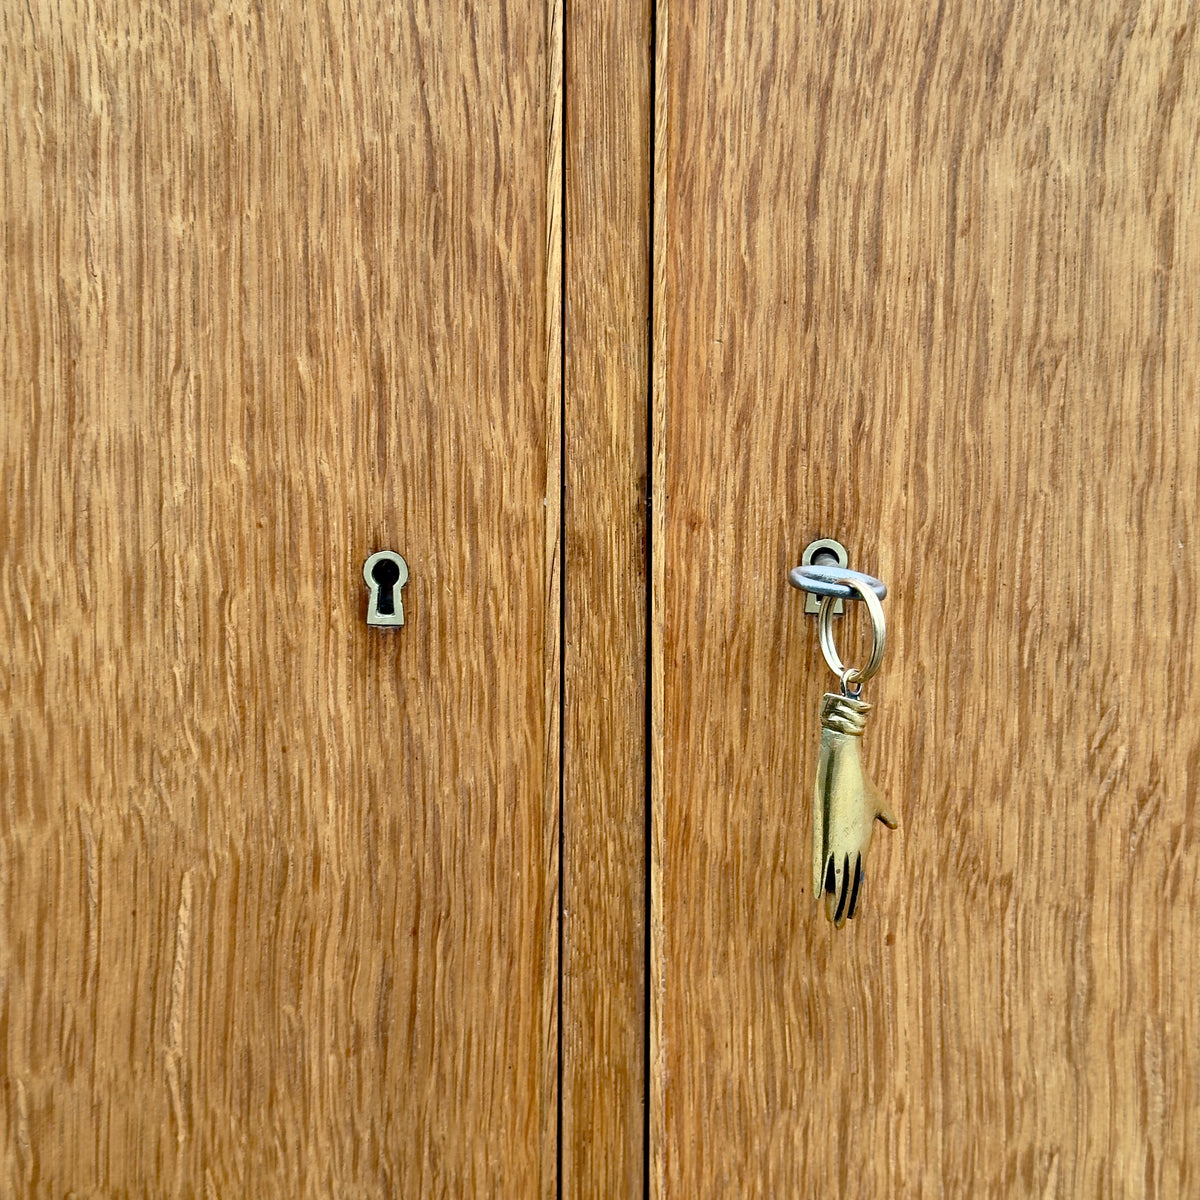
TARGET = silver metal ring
(825,579)
(853,675)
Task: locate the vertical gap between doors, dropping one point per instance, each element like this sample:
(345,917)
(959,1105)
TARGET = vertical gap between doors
(562,576)
(648,516)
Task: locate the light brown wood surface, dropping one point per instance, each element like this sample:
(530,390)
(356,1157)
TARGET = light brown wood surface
(278,891)
(607,344)
(927,282)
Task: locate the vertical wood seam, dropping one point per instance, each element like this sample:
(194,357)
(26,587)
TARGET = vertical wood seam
(651,643)
(555,285)
(656,1082)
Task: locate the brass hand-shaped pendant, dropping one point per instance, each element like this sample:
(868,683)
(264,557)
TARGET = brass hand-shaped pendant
(845,808)
(845,802)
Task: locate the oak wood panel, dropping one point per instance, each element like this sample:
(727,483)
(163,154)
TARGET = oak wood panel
(607,293)
(278,890)
(928,283)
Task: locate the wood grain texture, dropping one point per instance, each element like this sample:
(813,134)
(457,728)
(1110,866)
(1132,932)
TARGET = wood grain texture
(278,890)
(929,282)
(607,257)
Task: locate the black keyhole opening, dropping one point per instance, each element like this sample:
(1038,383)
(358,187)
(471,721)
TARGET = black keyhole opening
(385,573)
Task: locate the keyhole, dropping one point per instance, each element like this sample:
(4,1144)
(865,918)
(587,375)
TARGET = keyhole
(386,573)
(822,551)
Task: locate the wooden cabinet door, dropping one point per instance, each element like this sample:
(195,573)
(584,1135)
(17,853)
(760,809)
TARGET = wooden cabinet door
(278,891)
(296,907)
(926,281)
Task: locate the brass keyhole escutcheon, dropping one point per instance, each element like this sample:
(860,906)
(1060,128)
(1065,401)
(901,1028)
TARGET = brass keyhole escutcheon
(822,552)
(385,573)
